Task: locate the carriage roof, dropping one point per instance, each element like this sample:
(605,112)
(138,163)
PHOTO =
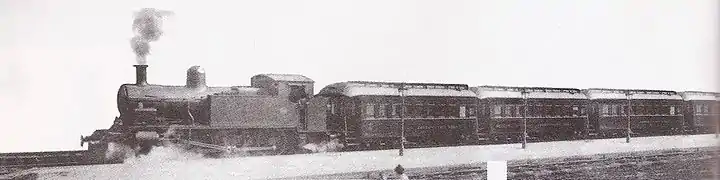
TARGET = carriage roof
(604,93)
(484,92)
(366,88)
(699,95)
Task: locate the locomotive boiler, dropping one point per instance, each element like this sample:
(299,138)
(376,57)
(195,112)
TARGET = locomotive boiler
(261,118)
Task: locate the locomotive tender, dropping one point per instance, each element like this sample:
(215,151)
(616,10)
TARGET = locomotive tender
(280,114)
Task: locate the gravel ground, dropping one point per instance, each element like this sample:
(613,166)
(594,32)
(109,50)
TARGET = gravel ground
(681,164)
(539,161)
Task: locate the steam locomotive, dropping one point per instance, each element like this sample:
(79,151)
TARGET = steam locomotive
(280,114)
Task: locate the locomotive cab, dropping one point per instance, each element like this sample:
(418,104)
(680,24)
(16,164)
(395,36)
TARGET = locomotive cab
(293,86)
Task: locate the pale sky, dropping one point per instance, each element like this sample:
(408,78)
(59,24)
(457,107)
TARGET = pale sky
(61,62)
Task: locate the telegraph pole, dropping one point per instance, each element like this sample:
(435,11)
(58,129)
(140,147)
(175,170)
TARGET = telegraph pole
(717,126)
(629,110)
(401,90)
(715,112)
(524,96)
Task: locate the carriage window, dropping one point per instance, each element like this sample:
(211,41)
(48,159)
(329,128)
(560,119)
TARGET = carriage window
(416,110)
(471,111)
(462,111)
(512,110)
(506,111)
(370,110)
(551,110)
(534,110)
(612,110)
(672,110)
(706,108)
(496,110)
(425,110)
(575,111)
(650,110)
(539,110)
(559,110)
(663,110)
(409,110)
(604,109)
(503,111)
(643,110)
(393,110)
(453,111)
(439,110)
(381,111)
(582,110)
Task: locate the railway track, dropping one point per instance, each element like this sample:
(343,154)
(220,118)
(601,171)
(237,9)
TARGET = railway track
(12,162)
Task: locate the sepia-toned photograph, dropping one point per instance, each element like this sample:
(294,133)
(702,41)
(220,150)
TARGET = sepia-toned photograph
(359,89)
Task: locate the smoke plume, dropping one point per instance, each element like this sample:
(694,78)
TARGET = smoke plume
(148,28)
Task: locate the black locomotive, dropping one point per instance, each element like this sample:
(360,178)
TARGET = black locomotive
(280,114)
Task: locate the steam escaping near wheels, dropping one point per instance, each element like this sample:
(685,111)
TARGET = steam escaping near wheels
(333,145)
(117,152)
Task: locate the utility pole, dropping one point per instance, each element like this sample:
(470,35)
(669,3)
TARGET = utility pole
(714,112)
(525,134)
(402,89)
(629,110)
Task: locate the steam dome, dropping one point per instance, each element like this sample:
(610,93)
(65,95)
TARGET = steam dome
(196,77)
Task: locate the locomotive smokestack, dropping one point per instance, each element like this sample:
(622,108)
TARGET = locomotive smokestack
(196,77)
(141,75)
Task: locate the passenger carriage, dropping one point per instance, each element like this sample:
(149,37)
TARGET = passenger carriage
(651,112)
(552,113)
(701,111)
(368,114)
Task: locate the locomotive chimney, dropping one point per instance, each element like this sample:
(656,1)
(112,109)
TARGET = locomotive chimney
(196,77)
(141,75)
